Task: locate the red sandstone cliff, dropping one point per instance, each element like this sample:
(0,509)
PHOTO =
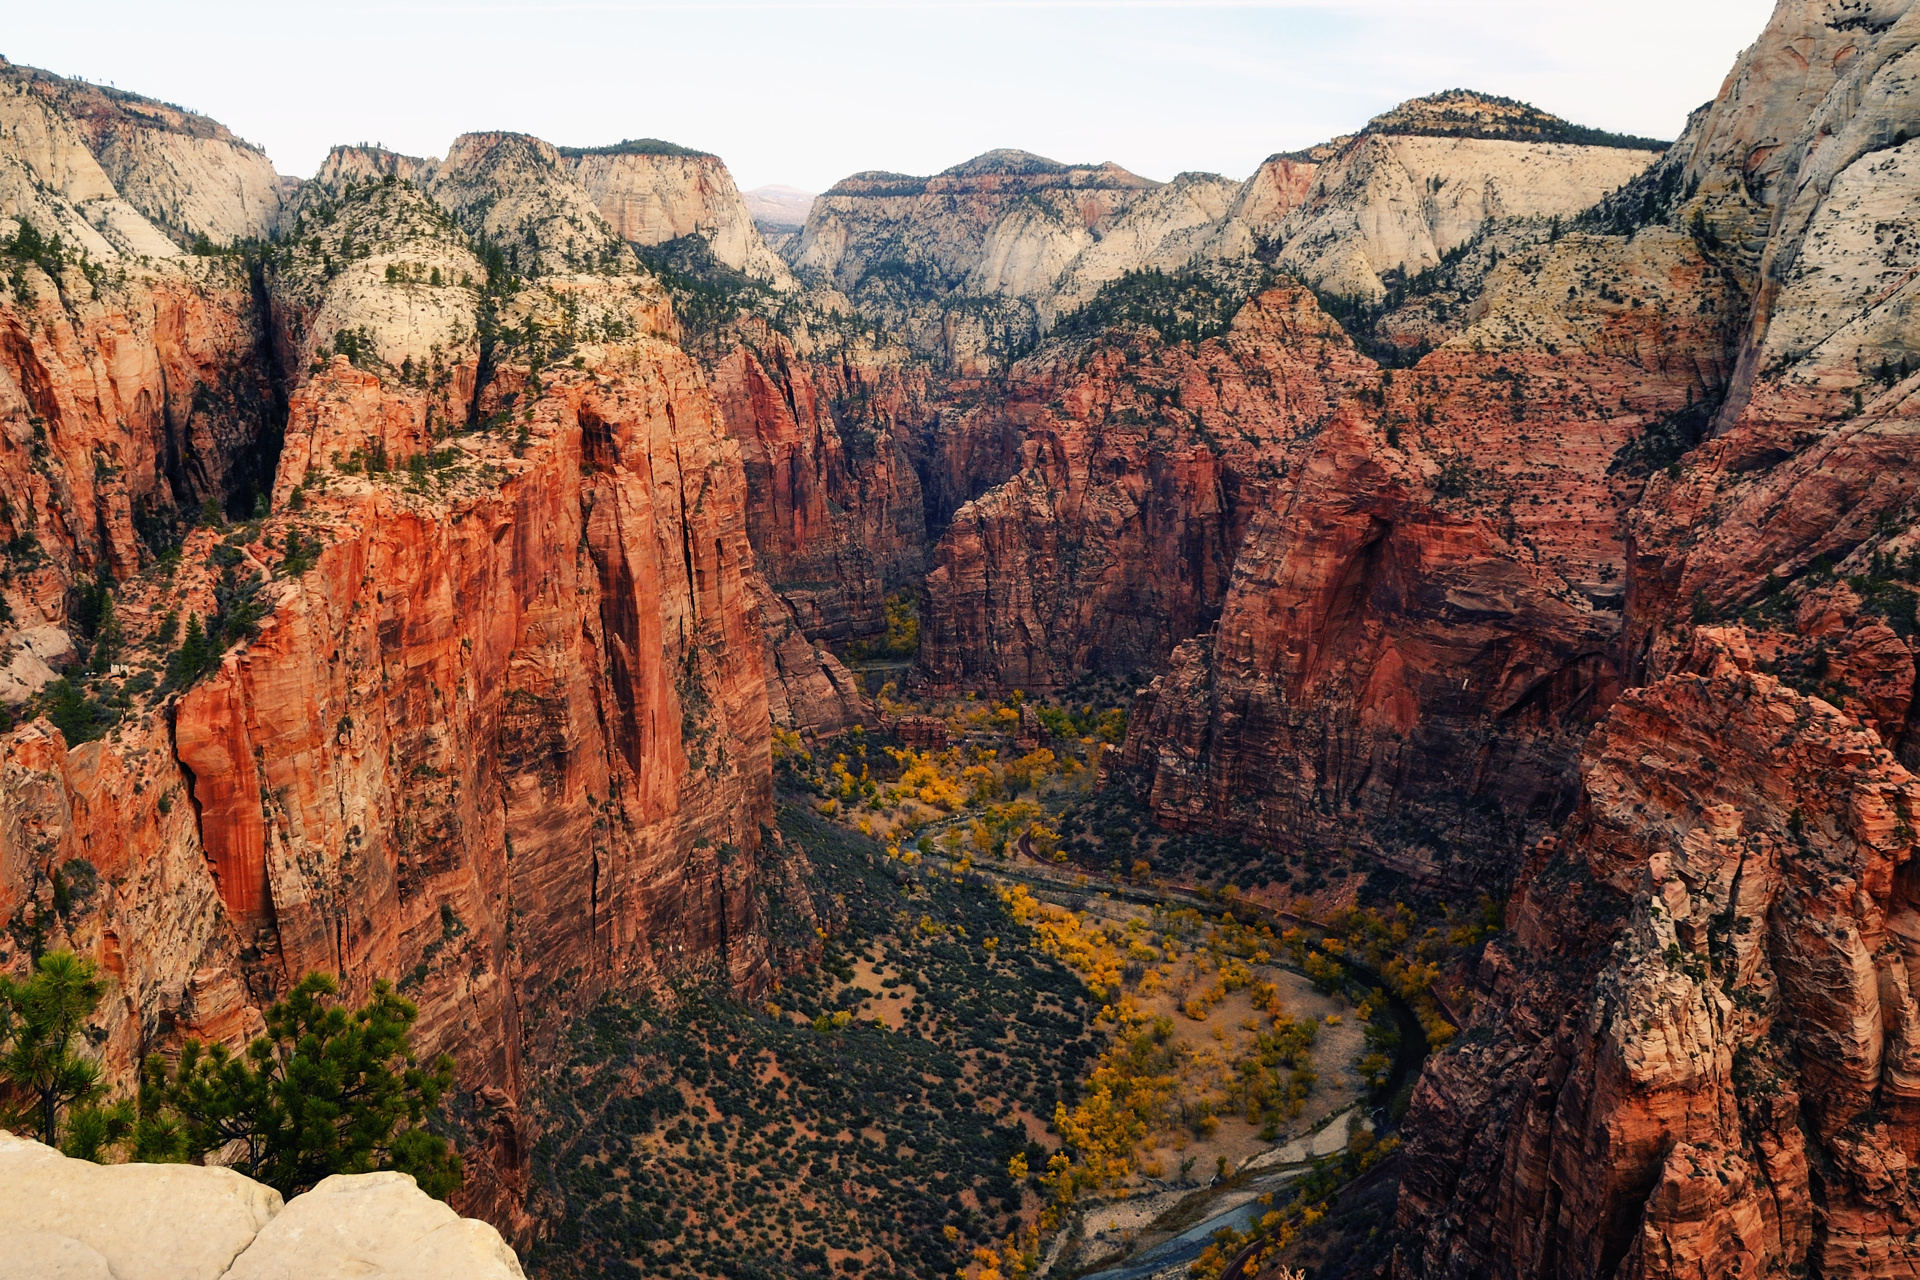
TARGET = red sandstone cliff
(1697,1056)
(1132,469)
(509,737)
(501,732)
(828,440)
(506,737)
(1693,1058)
(1422,626)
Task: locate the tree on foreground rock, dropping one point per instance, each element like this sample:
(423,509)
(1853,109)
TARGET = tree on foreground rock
(42,1073)
(327,1090)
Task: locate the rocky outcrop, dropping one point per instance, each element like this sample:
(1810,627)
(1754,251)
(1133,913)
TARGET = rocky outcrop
(126,399)
(496,722)
(974,262)
(517,192)
(506,740)
(50,181)
(348,165)
(809,690)
(1004,222)
(652,195)
(1699,1061)
(1260,209)
(957,263)
(1161,232)
(1691,1057)
(373,269)
(63,1219)
(180,171)
(1431,609)
(1392,203)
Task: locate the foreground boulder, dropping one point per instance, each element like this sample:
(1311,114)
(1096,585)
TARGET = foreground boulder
(63,1219)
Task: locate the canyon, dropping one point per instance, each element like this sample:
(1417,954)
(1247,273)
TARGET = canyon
(1479,500)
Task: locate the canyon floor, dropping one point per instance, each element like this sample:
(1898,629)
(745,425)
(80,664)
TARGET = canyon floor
(865,1114)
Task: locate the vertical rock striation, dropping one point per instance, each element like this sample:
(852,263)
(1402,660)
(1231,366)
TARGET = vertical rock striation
(1131,474)
(497,725)
(828,441)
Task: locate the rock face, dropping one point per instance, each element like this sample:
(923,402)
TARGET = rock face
(181,171)
(974,263)
(1004,222)
(64,1219)
(1703,1059)
(52,182)
(1132,477)
(570,729)
(650,197)
(1401,203)
(1587,549)
(1163,231)
(1415,187)
(829,443)
(373,267)
(1433,609)
(957,263)
(1692,1057)
(514,191)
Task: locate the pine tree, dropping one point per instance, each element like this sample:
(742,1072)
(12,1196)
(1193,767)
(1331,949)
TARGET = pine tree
(325,1091)
(190,659)
(40,1021)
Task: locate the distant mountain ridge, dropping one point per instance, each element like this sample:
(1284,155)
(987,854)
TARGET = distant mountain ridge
(976,262)
(995,168)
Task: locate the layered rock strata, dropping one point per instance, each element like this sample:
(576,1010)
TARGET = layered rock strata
(956,263)
(973,264)
(830,442)
(182,172)
(1432,614)
(1132,476)
(1401,203)
(1691,1057)
(1695,1059)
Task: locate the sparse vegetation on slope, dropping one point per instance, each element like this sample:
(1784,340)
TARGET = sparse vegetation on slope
(634,147)
(1462,113)
(1180,307)
(862,1119)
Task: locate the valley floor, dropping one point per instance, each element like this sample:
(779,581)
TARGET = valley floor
(1003,1058)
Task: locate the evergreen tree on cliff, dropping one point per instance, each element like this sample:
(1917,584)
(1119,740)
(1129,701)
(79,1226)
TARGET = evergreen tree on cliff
(327,1090)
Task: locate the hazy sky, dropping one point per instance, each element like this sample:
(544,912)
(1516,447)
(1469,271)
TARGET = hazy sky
(806,91)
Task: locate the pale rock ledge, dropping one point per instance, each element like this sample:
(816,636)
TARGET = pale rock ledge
(64,1219)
